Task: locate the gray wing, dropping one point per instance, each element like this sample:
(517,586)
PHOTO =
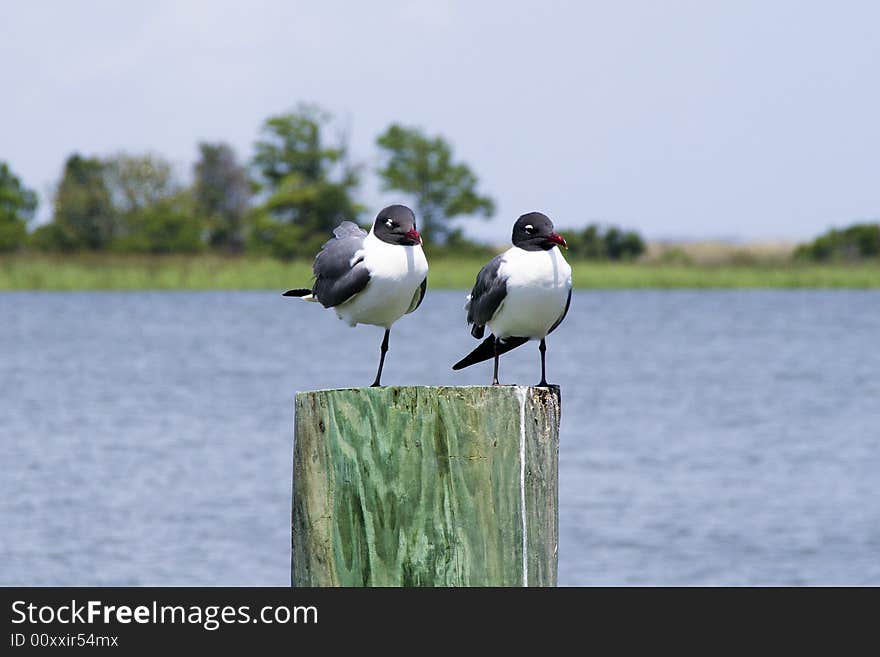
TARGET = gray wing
(418,296)
(339,275)
(487,296)
(562,316)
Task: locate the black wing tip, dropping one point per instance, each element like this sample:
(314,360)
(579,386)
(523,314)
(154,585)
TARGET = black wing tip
(486,350)
(298,292)
(483,351)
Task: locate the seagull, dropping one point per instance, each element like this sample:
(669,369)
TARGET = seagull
(374,278)
(522,294)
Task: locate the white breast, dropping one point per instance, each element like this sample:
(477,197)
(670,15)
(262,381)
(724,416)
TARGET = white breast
(396,272)
(538,283)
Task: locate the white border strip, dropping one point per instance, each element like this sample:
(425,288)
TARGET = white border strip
(522,483)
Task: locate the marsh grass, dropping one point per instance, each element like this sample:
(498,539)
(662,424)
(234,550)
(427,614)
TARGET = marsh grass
(205,272)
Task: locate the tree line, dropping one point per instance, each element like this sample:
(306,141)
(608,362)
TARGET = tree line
(854,243)
(299,184)
(285,200)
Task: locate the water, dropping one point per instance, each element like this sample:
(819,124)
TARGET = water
(707,437)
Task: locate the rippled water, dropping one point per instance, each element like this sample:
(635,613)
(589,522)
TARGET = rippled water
(707,437)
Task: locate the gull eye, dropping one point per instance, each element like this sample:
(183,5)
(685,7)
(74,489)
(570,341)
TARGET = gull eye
(530,228)
(389,223)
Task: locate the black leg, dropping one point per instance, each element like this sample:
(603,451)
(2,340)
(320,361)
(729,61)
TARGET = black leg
(384,348)
(543,349)
(495,375)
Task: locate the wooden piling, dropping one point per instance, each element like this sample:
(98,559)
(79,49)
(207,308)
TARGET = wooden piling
(426,486)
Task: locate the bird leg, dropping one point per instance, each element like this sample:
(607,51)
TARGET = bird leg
(543,349)
(384,350)
(495,375)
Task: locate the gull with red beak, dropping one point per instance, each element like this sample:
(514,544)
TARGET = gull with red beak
(521,295)
(374,278)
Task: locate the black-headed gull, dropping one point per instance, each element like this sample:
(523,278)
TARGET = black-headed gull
(373,278)
(522,294)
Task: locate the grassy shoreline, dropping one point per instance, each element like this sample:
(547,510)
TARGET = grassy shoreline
(208,272)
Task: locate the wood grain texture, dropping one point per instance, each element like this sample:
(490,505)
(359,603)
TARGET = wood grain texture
(426,486)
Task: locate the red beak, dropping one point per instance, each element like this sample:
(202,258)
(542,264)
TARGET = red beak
(414,236)
(556,238)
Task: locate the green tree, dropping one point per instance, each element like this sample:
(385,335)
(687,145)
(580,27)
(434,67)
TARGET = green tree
(222,192)
(423,168)
(588,243)
(84,216)
(596,242)
(168,225)
(137,182)
(851,244)
(305,184)
(17,207)
(124,203)
(152,211)
(623,244)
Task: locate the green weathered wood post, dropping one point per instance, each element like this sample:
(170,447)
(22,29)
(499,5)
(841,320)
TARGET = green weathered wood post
(426,486)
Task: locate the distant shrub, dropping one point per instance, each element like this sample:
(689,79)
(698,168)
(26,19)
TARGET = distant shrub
(851,244)
(53,238)
(675,256)
(605,243)
(743,257)
(167,226)
(278,239)
(13,233)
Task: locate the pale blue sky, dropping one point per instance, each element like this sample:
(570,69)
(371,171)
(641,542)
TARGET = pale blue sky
(738,119)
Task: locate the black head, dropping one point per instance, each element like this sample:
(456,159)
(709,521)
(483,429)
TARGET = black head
(534,232)
(396,224)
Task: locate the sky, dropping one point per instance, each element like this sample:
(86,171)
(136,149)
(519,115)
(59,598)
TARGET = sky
(684,120)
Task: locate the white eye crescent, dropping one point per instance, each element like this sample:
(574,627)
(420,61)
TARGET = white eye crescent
(389,223)
(530,228)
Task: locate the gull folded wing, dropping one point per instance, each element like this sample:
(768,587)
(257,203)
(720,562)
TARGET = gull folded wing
(339,268)
(487,296)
